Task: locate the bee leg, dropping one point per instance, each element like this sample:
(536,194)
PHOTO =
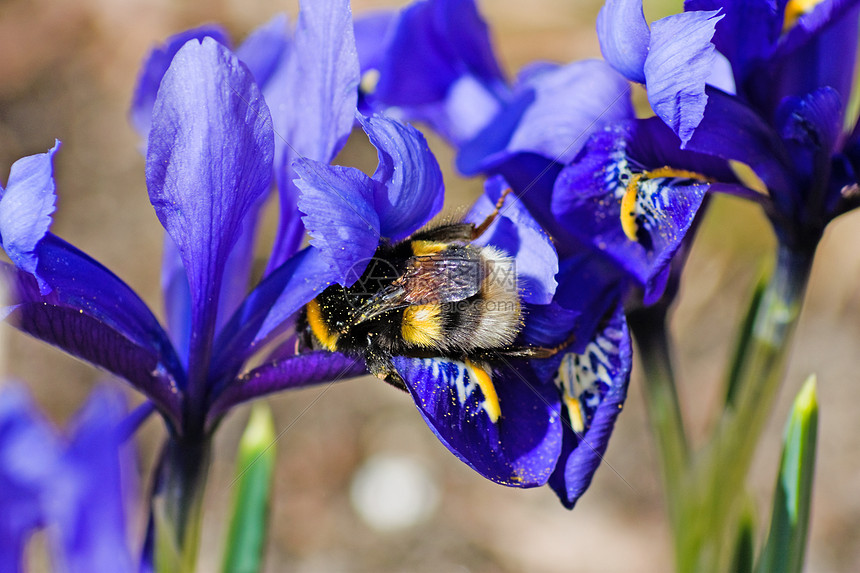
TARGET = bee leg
(482,228)
(384,370)
(536,352)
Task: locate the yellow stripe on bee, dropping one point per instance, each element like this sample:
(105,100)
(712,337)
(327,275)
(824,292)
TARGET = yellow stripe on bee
(628,202)
(485,382)
(327,338)
(422,325)
(427,248)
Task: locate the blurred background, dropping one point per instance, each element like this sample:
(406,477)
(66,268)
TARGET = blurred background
(362,485)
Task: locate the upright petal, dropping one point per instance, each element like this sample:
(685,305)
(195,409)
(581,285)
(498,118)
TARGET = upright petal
(339,214)
(209,161)
(25,210)
(624,37)
(265,48)
(593,386)
(680,61)
(411,191)
(154,68)
(503,423)
(313,104)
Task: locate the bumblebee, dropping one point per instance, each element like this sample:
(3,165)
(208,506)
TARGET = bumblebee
(432,295)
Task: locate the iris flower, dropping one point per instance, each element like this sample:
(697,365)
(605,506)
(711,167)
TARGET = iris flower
(766,85)
(68,486)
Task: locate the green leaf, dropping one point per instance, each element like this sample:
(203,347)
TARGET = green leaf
(744,556)
(743,340)
(789,525)
(252,488)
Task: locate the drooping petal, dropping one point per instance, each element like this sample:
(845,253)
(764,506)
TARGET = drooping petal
(154,68)
(504,424)
(84,500)
(635,216)
(679,62)
(624,37)
(518,235)
(265,48)
(92,314)
(593,386)
(339,214)
(411,189)
(25,210)
(292,372)
(313,104)
(209,162)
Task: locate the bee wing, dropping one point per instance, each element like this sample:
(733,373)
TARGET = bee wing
(428,279)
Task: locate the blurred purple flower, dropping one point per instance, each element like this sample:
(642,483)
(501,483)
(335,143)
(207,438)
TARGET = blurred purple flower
(68,487)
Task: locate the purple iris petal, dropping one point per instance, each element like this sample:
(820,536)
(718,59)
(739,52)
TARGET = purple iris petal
(513,439)
(570,103)
(29,454)
(177,298)
(85,500)
(154,68)
(314,98)
(209,161)
(371,37)
(94,315)
(679,62)
(25,210)
(747,33)
(338,203)
(411,189)
(287,373)
(268,307)
(588,198)
(602,372)
(487,149)
(265,48)
(517,234)
(624,37)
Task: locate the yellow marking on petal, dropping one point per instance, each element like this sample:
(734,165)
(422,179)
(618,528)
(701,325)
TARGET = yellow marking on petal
(422,325)
(369,81)
(628,207)
(794,9)
(427,248)
(574,412)
(748,177)
(667,171)
(485,383)
(327,338)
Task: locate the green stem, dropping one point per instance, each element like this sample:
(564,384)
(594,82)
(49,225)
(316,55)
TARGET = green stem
(711,500)
(178,503)
(661,400)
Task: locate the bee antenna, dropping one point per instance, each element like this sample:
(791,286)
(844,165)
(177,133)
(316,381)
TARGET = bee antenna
(482,228)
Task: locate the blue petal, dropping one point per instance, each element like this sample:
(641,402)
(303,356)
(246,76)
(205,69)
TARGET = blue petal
(338,203)
(570,103)
(292,372)
(748,32)
(624,37)
(594,383)
(313,101)
(25,210)
(177,298)
(154,68)
(209,162)
(588,199)
(29,453)
(85,501)
(92,314)
(268,307)
(371,37)
(411,191)
(513,438)
(517,234)
(679,62)
(265,48)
